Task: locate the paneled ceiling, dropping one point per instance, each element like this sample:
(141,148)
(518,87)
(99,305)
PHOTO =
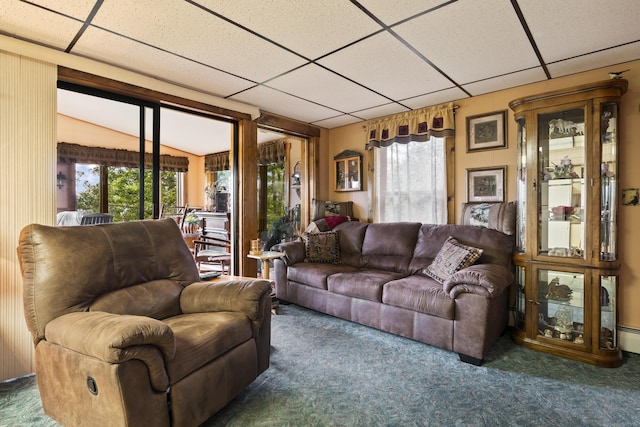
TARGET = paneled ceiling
(337,62)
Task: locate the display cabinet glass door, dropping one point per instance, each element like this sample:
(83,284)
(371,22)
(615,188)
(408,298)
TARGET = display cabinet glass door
(561,168)
(608,285)
(560,301)
(608,180)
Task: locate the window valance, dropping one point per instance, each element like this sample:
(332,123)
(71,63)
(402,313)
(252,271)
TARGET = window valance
(217,162)
(268,152)
(416,125)
(272,152)
(76,153)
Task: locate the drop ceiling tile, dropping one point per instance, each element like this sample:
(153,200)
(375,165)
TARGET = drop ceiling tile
(34,23)
(577,27)
(509,80)
(596,60)
(276,102)
(436,98)
(79,9)
(381,111)
(125,53)
(391,12)
(374,61)
(335,122)
(471,41)
(187,30)
(308,27)
(326,88)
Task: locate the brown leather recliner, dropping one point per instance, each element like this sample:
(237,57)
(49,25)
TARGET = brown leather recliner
(124,332)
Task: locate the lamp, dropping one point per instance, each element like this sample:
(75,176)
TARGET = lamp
(61,178)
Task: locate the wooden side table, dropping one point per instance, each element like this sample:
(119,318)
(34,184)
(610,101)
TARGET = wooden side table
(265,257)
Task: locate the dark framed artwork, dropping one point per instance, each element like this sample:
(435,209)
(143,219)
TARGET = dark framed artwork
(486,184)
(487,131)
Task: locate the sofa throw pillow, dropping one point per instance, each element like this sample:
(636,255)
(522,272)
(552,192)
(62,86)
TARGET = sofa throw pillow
(453,256)
(322,247)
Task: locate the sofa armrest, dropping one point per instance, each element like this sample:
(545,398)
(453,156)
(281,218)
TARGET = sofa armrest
(294,251)
(235,295)
(487,280)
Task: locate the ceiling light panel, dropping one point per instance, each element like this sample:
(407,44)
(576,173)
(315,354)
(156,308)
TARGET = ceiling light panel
(187,30)
(285,105)
(326,88)
(471,41)
(125,53)
(34,23)
(312,28)
(391,12)
(375,63)
(581,26)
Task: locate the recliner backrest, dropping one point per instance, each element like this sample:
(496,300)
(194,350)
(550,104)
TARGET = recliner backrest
(138,266)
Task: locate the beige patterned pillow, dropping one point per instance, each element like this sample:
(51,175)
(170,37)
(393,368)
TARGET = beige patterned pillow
(453,256)
(322,247)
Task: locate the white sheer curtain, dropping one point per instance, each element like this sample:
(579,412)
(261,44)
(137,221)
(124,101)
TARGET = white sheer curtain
(411,182)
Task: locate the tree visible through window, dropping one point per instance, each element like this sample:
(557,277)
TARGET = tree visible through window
(122,189)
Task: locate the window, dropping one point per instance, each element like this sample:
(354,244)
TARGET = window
(120,188)
(411,180)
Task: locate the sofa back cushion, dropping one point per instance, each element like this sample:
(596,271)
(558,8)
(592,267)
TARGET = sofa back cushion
(68,269)
(351,236)
(497,247)
(390,246)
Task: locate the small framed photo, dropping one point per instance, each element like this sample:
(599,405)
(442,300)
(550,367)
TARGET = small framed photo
(486,184)
(487,131)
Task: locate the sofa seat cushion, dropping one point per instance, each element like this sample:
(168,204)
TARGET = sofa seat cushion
(421,294)
(315,274)
(202,337)
(365,284)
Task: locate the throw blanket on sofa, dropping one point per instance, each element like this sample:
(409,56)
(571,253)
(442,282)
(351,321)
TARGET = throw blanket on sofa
(325,224)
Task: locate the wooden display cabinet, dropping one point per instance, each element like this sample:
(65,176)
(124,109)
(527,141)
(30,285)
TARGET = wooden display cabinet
(567,253)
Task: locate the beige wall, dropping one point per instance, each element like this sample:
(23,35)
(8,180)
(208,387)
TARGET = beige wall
(353,137)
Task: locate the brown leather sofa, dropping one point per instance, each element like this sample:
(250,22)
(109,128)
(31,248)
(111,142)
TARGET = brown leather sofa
(379,282)
(125,334)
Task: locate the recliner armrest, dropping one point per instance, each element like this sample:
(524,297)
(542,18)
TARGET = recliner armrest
(117,338)
(235,295)
(105,335)
(487,280)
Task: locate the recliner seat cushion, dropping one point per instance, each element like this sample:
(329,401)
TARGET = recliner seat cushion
(202,337)
(421,294)
(364,284)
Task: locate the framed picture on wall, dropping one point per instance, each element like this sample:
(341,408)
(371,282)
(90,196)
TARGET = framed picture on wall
(486,184)
(487,131)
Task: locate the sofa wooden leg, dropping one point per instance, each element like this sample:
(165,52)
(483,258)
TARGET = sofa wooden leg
(469,359)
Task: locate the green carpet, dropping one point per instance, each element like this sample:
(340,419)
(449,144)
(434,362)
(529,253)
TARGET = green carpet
(330,372)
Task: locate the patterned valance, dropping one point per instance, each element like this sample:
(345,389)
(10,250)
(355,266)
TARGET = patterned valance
(416,125)
(268,152)
(217,162)
(272,152)
(75,153)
